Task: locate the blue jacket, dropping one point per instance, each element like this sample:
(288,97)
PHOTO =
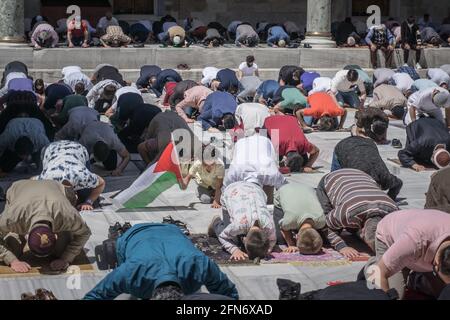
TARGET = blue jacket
(267,89)
(151,254)
(147,72)
(227,79)
(276,34)
(216,105)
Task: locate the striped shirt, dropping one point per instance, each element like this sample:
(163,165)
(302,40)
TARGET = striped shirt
(349,197)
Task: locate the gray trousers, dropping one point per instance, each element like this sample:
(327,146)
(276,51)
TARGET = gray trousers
(278,214)
(397,281)
(221,224)
(206,195)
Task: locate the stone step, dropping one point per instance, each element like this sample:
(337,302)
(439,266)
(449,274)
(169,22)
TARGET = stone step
(52,75)
(198,57)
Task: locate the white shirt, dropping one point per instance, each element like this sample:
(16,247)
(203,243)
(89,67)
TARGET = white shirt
(251,116)
(321,84)
(254,160)
(70,69)
(403,81)
(209,74)
(123,90)
(340,83)
(246,70)
(438,76)
(423,100)
(446,68)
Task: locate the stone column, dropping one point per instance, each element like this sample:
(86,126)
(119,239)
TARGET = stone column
(318,26)
(12,21)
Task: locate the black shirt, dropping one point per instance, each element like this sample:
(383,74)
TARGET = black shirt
(362,153)
(422,136)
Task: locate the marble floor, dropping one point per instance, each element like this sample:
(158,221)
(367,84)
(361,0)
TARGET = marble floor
(253,282)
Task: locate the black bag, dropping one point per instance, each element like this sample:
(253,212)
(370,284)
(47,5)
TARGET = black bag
(357,290)
(105,255)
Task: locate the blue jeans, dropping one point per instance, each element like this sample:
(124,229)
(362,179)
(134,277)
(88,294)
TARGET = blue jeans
(308,119)
(351,98)
(335,165)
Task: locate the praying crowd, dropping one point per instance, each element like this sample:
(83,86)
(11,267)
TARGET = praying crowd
(111,32)
(61,130)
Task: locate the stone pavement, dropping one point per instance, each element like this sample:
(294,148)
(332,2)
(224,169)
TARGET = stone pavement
(253,282)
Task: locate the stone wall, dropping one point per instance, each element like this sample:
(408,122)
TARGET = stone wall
(253,11)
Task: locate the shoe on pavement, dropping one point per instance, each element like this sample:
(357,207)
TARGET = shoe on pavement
(396,144)
(418,66)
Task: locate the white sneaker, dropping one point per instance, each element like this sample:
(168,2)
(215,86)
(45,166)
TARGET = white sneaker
(418,66)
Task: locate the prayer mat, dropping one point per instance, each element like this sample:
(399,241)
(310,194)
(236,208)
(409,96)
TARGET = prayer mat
(212,248)
(327,258)
(397,161)
(41,266)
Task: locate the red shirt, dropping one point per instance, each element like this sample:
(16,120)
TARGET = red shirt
(290,135)
(169,88)
(322,104)
(77,33)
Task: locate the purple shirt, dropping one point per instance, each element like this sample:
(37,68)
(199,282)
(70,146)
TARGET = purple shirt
(21,84)
(307,79)
(413,237)
(44,27)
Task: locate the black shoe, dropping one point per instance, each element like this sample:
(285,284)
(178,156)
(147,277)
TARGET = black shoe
(126,226)
(180,224)
(397,144)
(115,231)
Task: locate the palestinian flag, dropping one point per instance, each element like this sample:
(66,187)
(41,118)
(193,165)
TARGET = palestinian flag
(154,181)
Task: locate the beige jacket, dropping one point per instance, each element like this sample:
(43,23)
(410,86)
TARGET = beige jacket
(386,97)
(30,201)
(176,31)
